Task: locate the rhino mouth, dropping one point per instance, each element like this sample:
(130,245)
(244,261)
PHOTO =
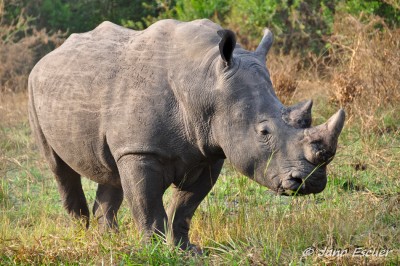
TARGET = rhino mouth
(300,184)
(294,184)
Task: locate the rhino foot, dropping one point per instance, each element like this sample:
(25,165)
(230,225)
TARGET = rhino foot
(194,250)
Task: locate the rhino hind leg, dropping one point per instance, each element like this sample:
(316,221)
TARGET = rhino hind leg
(70,188)
(185,201)
(68,181)
(105,208)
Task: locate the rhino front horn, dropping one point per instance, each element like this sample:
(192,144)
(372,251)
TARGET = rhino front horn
(265,45)
(321,141)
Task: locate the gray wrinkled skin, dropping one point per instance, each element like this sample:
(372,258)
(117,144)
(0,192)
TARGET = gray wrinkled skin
(139,111)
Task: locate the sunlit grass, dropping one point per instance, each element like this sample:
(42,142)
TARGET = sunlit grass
(238,223)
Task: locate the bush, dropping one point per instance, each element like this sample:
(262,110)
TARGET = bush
(298,25)
(216,10)
(389,10)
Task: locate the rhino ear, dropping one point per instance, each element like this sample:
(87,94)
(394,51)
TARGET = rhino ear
(227,45)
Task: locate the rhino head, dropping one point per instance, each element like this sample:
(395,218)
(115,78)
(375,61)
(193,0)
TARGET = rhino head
(273,144)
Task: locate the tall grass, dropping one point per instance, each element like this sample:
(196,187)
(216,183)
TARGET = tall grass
(367,54)
(359,71)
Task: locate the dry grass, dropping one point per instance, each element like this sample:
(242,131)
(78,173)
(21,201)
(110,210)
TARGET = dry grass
(285,75)
(18,58)
(360,72)
(21,46)
(366,73)
(13,108)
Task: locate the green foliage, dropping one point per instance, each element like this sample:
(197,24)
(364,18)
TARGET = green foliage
(388,10)
(299,25)
(187,10)
(250,17)
(13,22)
(80,15)
(56,13)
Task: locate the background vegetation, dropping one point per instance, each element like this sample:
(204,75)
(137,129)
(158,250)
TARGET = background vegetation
(341,53)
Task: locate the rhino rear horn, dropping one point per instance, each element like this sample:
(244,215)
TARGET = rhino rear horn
(298,115)
(227,45)
(264,46)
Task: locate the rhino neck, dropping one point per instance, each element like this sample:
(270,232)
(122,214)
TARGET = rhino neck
(193,85)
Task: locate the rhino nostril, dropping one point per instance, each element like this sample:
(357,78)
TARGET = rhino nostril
(321,154)
(298,180)
(296,175)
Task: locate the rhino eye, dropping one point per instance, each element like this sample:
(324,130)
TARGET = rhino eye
(262,129)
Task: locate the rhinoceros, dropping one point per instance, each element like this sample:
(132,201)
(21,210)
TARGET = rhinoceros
(140,111)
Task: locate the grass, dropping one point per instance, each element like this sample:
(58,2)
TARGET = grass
(239,223)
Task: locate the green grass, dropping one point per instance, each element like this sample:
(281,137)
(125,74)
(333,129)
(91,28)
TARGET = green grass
(239,223)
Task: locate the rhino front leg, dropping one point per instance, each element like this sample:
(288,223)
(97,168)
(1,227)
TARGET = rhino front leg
(143,187)
(186,199)
(105,208)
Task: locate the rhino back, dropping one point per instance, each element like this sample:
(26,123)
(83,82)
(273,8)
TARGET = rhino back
(107,93)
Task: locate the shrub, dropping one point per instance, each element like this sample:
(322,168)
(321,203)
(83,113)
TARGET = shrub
(389,10)
(298,25)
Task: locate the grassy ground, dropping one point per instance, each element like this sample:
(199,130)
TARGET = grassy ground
(239,223)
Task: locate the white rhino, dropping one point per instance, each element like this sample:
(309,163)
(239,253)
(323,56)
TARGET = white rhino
(139,111)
